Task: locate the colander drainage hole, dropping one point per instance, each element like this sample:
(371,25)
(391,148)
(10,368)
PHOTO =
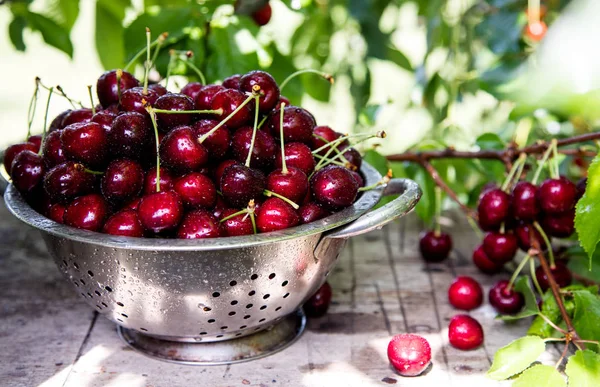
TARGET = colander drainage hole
(120,303)
(104,304)
(98,306)
(253,277)
(243,326)
(234,302)
(75,265)
(249,306)
(238,334)
(266,296)
(261,320)
(65,263)
(108,288)
(286,295)
(263,307)
(272,275)
(246,317)
(232,313)
(82,281)
(98,293)
(224,327)
(90,295)
(143,329)
(278,309)
(207,309)
(233,283)
(83,295)
(216,294)
(284,283)
(76,283)
(204,333)
(124,315)
(219,336)
(251,293)
(90,273)
(212,320)
(119,320)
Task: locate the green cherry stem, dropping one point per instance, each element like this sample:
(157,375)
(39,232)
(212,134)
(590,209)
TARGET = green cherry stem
(344,159)
(384,180)
(45,121)
(240,212)
(438,211)
(139,54)
(71,101)
(191,65)
(32,106)
(148,62)
(254,130)
(163,111)
(547,242)
(545,157)
(260,124)
(91,99)
(326,76)
(253,220)
(172,57)
(159,42)
(553,325)
(119,75)
(556,173)
(288,201)
(93,172)
(153,118)
(509,179)
(335,162)
(284,169)
(534,278)
(514,276)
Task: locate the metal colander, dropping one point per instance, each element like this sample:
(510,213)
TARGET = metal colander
(169,295)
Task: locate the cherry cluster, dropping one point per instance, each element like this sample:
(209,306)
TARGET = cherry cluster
(211,161)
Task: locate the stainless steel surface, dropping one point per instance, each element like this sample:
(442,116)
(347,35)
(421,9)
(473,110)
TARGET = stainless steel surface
(214,289)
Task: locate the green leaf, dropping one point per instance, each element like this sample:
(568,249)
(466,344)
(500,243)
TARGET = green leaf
(583,369)
(540,376)
(586,318)
(588,211)
(399,58)
(580,265)
(501,31)
(368,115)
(515,357)
(490,141)
(539,326)
(523,286)
(53,34)
(109,34)
(65,12)
(15,31)
(377,161)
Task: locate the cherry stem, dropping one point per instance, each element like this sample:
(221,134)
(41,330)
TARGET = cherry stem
(32,106)
(159,42)
(224,121)
(556,172)
(254,130)
(91,99)
(344,159)
(148,63)
(563,354)
(509,179)
(150,111)
(253,220)
(191,65)
(288,201)
(335,162)
(326,76)
(533,11)
(142,52)
(517,271)
(438,211)
(475,227)
(240,212)
(347,137)
(542,163)
(163,111)
(93,172)
(284,169)
(553,325)
(45,120)
(172,57)
(62,93)
(260,124)
(547,242)
(534,278)
(384,180)
(119,75)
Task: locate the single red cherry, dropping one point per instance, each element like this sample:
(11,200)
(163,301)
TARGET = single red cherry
(86,143)
(493,209)
(292,184)
(359,179)
(410,354)
(275,214)
(27,171)
(108,90)
(263,152)
(465,333)
(36,140)
(158,89)
(122,181)
(13,150)
(56,123)
(524,201)
(240,184)
(504,300)
(199,224)
(269,90)
(536,31)
(160,211)
(484,263)
(196,190)
(56,212)
(334,187)
(220,168)
(232,82)
(297,155)
(435,247)
(105,119)
(353,157)
(561,273)
(129,135)
(228,101)
(559,225)
(263,15)
(174,102)
(500,248)
(87,212)
(298,124)
(204,98)
(465,293)
(68,180)
(236,226)
(181,151)
(218,142)
(77,116)
(166,180)
(523,238)
(52,151)
(318,303)
(557,195)
(310,212)
(124,223)
(136,100)
(192,89)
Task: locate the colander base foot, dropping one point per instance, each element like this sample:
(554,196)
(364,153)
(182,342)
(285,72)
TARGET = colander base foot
(255,346)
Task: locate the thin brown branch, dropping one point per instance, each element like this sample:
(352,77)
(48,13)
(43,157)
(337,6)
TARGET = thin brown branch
(584,280)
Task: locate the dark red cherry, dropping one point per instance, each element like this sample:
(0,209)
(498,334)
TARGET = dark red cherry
(12,151)
(298,124)
(52,151)
(238,225)
(504,300)
(192,89)
(174,102)
(160,211)
(85,142)
(354,159)
(297,155)
(334,187)
(220,207)
(124,223)
(77,116)
(435,247)
(122,181)
(275,214)
(181,151)
(561,273)
(56,123)
(581,185)
(27,171)
(263,153)
(68,180)
(263,15)
(204,98)
(292,185)
(318,304)
(323,135)
(36,140)
(105,119)
(557,195)
(229,100)
(158,89)
(218,171)
(199,224)
(522,234)
(269,90)
(465,333)
(465,293)
(87,212)
(500,248)
(240,184)
(310,212)
(559,225)
(196,190)
(217,143)
(108,91)
(359,179)
(130,135)
(409,354)
(132,100)
(114,108)
(232,82)
(132,205)
(524,201)
(484,263)
(493,209)
(56,212)
(166,180)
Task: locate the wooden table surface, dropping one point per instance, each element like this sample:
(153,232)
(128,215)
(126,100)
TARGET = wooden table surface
(50,337)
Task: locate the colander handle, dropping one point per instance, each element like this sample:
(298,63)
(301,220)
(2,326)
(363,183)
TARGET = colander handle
(409,194)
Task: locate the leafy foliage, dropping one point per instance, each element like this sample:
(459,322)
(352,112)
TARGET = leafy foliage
(516,357)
